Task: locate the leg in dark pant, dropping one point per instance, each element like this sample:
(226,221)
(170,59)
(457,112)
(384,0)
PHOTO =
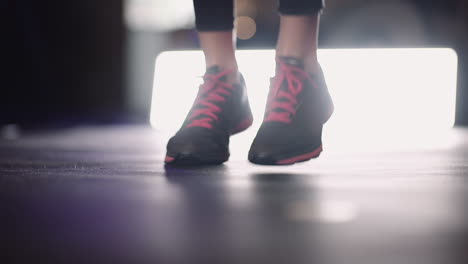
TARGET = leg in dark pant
(299,24)
(298,102)
(297,38)
(214,21)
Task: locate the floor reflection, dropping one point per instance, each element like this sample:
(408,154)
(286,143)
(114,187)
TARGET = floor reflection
(251,219)
(102,203)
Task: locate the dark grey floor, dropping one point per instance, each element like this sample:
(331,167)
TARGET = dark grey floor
(102,195)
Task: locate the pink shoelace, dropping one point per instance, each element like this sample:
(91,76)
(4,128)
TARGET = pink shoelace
(210,93)
(285,99)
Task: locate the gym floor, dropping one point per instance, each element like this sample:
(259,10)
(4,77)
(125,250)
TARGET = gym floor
(102,195)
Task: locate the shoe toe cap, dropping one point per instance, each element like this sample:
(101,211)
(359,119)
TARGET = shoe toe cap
(198,145)
(262,157)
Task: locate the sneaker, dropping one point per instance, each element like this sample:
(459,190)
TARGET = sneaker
(298,105)
(220,110)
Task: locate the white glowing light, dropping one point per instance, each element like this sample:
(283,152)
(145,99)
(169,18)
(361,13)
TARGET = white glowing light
(381,95)
(160,15)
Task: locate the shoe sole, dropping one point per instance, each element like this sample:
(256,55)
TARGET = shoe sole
(293,159)
(191,159)
(195,159)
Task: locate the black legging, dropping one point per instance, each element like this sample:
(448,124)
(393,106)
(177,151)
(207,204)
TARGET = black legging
(218,15)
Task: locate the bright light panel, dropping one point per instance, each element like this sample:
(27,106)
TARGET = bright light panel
(380,94)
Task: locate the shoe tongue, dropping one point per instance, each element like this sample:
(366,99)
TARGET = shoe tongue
(292,61)
(215,69)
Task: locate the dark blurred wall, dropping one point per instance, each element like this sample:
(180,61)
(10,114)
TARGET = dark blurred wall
(63,60)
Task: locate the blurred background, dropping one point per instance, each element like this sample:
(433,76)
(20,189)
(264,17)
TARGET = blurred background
(92,62)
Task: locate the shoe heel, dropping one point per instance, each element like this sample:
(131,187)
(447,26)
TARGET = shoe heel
(330,110)
(243,125)
(244,118)
(328,114)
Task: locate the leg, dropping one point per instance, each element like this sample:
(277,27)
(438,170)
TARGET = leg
(298,103)
(221,108)
(298,34)
(215,22)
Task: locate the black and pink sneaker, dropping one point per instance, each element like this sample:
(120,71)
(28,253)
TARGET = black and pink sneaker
(298,105)
(220,110)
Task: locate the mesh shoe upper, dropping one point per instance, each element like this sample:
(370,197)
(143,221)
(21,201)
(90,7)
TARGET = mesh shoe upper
(217,111)
(297,107)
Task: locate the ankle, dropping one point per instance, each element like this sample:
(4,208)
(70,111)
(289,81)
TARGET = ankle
(312,66)
(233,76)
(289,59)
